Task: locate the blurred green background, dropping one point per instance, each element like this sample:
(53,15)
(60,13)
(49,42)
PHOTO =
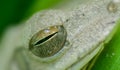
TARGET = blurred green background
(12,12)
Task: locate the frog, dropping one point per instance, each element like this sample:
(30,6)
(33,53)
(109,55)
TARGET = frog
(87,28)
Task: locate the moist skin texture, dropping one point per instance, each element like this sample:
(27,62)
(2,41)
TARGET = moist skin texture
(87,26)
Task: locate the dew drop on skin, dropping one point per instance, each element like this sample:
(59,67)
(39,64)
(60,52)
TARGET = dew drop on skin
(112,6)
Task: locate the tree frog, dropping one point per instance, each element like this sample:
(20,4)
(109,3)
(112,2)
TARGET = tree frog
(60,39)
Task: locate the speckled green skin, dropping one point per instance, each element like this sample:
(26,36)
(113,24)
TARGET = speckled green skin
(87,26)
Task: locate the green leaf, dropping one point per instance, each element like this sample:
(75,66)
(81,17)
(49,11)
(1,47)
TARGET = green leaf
(109,59)
(40,5)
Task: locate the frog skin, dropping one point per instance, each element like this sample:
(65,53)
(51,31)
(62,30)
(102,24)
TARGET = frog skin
(88,26)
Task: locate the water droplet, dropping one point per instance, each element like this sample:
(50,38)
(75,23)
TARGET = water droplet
(107,55)
(113,54)
(112,7)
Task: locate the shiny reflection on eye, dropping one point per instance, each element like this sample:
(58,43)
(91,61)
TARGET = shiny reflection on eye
(48,42)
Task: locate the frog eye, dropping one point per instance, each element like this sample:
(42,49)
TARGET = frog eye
(48,42)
